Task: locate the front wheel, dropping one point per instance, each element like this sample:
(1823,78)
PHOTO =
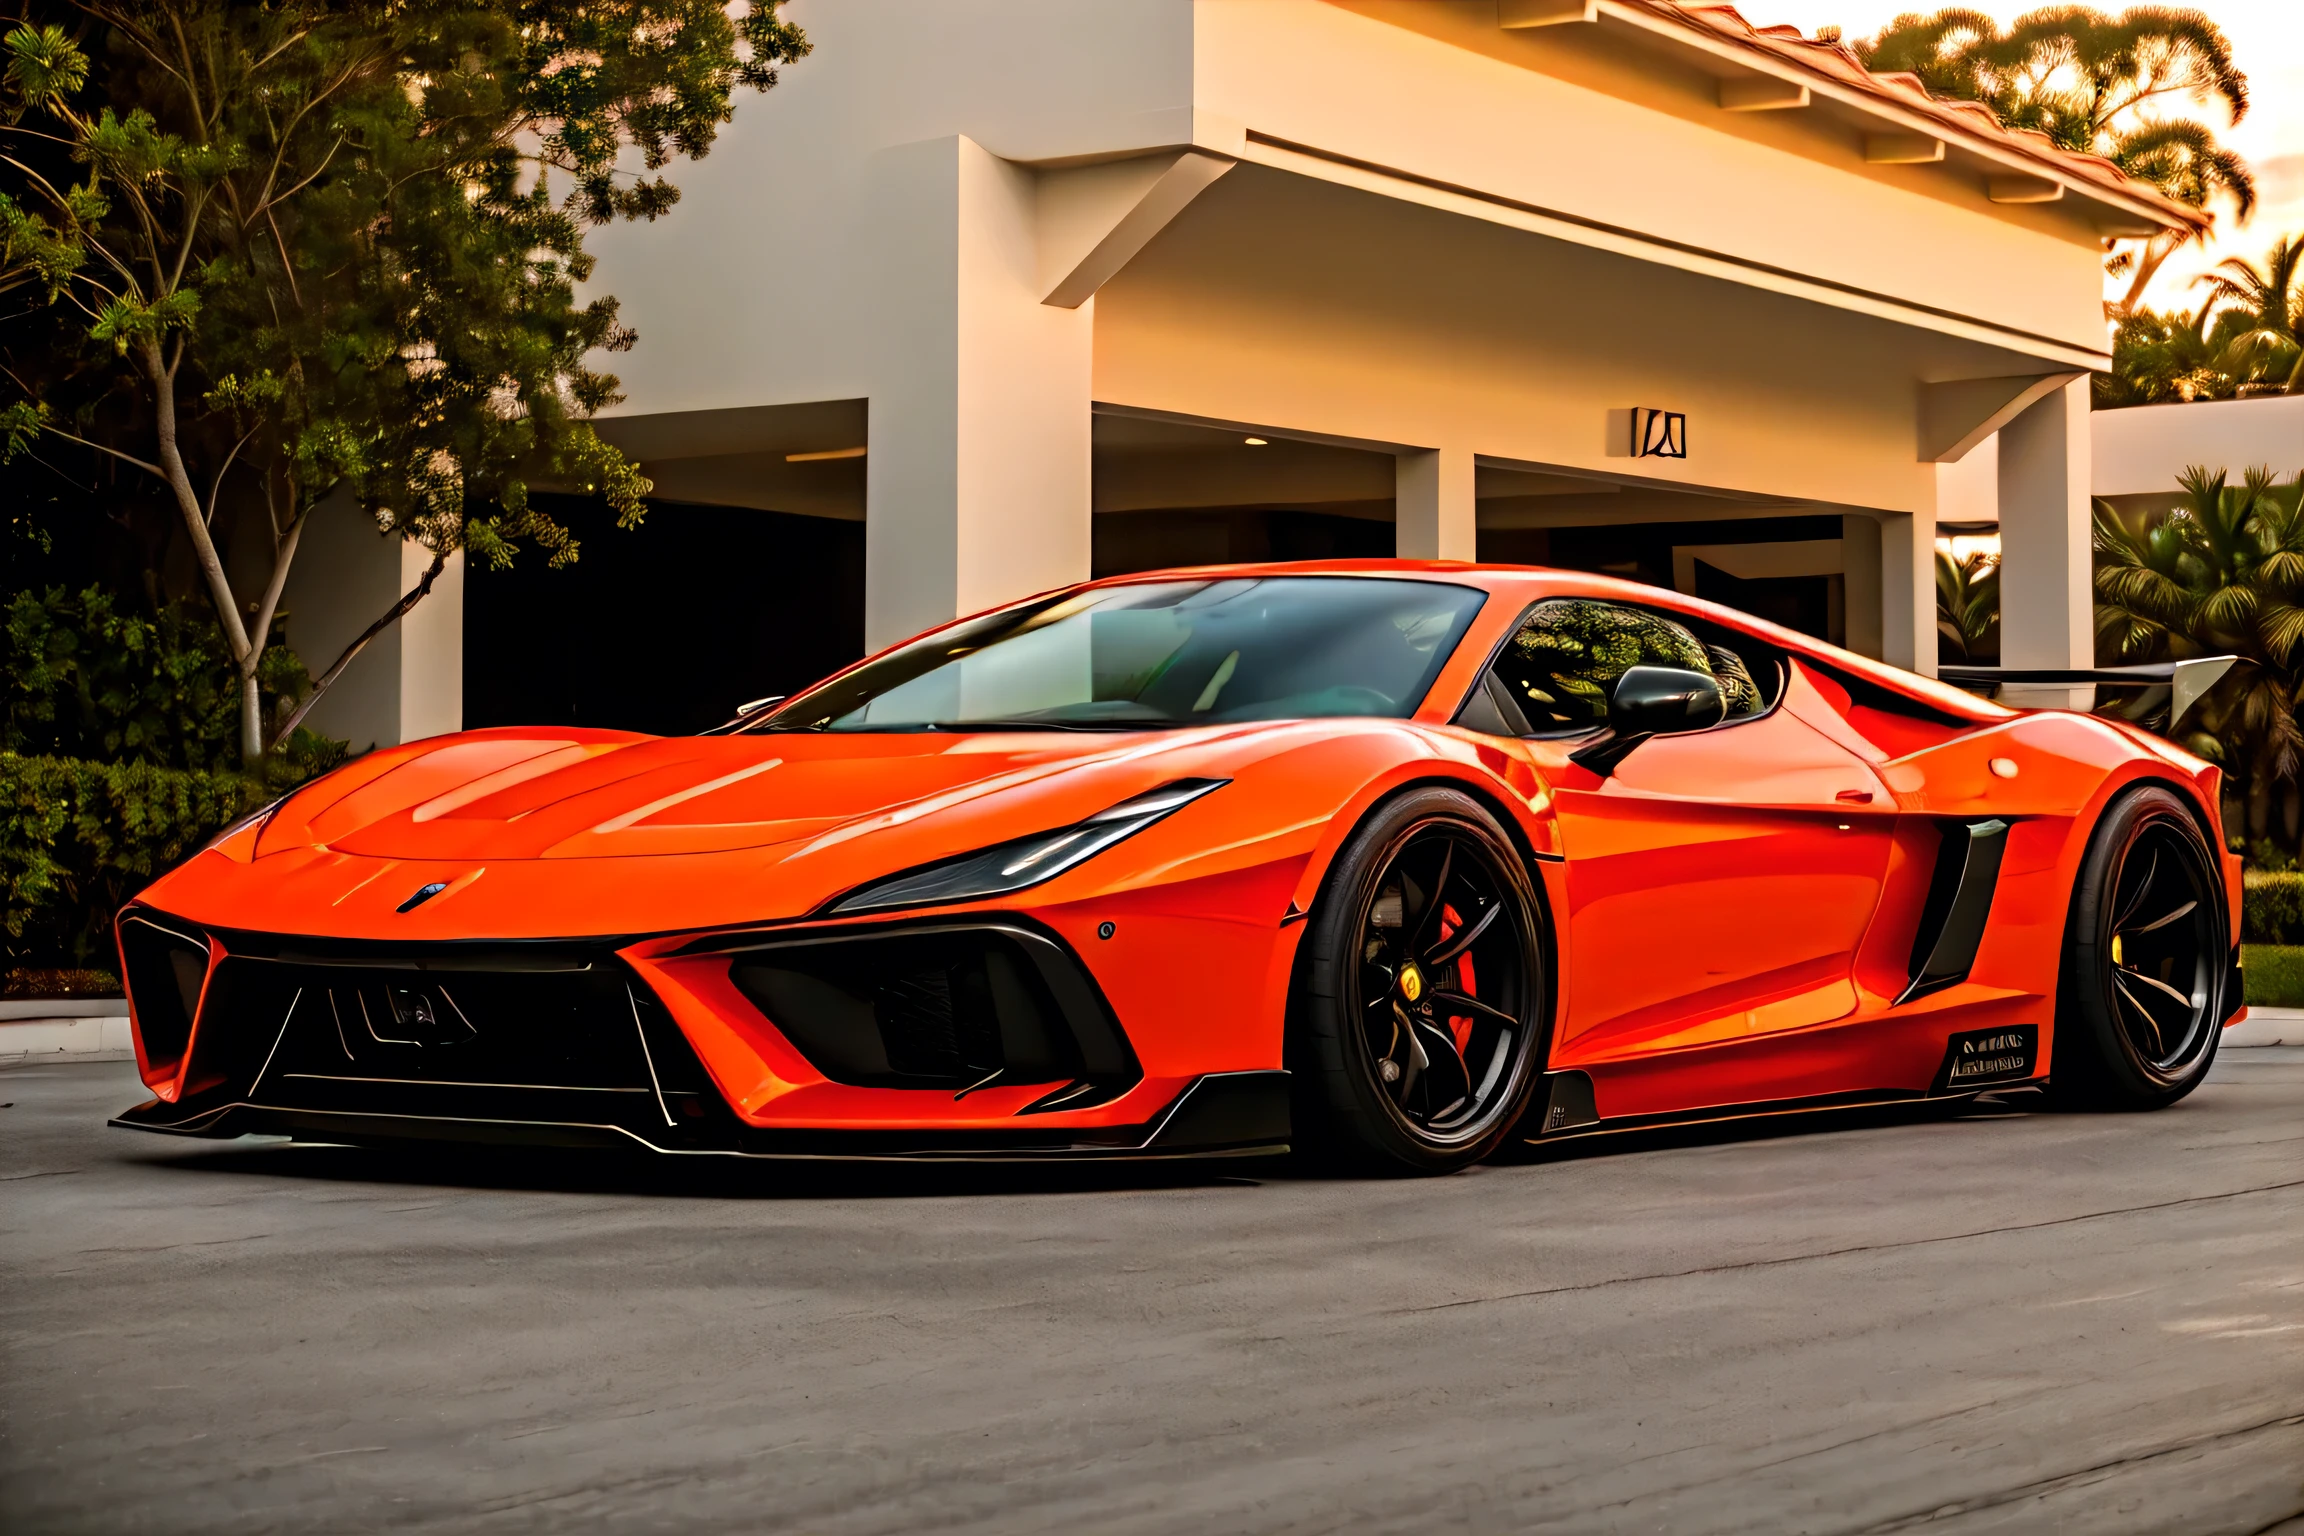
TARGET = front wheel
(2142,1000)
(1419,1020)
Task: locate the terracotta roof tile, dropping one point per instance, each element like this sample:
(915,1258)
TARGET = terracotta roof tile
(1838,61)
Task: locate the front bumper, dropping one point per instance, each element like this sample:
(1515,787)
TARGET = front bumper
(984,1039)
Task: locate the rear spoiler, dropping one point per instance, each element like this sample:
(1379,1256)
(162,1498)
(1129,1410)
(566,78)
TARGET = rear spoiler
(2185,681)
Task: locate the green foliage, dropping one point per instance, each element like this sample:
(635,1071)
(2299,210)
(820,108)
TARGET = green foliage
(2264,326)
(118,759)
(1968,606)
(266,253)
(78,838)
(2272,907)
(2094,83)
(2274,975)
(2243,339)
(2223,574)
(87,680)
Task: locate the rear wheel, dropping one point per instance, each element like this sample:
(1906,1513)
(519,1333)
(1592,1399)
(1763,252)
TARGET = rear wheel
(2141,1003)
(1419,1018)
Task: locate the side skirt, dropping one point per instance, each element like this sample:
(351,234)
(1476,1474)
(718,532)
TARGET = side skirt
(1569,1094)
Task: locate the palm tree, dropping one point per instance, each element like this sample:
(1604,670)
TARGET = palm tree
(2220,575)
(2165,357)
(2085,79)
(2271,300)
(1968,606)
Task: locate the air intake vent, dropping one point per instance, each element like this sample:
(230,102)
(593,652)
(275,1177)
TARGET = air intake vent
(163,969)
(952,1008)
(1959,901)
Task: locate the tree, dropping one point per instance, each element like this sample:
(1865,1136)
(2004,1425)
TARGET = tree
(2162,358)
(2222,574)
(270,254)
(2242,340)
(2269,304)
(2094,84)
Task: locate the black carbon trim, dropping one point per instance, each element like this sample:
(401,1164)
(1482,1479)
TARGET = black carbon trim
(1221,1114)
(1568,1104)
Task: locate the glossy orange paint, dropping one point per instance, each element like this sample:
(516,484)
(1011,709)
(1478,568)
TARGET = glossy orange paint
(1732,911)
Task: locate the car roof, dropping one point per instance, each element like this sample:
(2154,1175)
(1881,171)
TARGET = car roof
(1524,584)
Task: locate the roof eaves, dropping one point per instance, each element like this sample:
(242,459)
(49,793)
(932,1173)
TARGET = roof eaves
(1836,64)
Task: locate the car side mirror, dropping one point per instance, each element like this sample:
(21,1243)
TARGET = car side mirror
(1652,701)
(1656,701)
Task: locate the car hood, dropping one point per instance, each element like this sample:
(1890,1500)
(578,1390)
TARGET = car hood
(515,795)
(554,833)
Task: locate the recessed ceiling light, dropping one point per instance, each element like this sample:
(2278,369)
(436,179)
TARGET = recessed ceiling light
(1253,442)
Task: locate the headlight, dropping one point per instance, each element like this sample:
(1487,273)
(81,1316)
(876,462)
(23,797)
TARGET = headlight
(1006,867)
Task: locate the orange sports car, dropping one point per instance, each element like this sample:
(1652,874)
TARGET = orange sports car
(1393,860)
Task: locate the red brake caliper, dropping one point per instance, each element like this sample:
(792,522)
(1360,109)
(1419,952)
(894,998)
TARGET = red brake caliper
(1458,1026)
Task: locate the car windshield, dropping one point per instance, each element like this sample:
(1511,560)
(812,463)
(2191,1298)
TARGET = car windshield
(1157,654)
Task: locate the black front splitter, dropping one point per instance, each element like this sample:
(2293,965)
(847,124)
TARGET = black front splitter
(1222,1114)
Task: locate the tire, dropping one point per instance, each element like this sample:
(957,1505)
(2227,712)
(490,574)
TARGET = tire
(1427,904)
(2140,1003)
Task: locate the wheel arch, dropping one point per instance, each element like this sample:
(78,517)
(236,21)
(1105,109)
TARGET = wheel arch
(1512,819)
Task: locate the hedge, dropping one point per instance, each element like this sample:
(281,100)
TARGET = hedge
(78,838)
(2272,907)
(2275,975)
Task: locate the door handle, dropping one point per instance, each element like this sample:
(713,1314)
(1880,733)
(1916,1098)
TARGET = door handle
(1854,797)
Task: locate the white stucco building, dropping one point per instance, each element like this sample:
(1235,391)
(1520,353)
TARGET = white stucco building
(1031,288)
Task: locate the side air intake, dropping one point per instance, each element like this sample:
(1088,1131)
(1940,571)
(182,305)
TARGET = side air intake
(1959,901)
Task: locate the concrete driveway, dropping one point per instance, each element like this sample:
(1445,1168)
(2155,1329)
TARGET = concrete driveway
(2003,1322)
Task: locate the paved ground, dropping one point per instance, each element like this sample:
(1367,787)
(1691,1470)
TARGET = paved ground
(2003,1323)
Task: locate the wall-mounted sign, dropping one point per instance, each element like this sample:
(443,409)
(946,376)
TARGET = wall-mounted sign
(1659,434)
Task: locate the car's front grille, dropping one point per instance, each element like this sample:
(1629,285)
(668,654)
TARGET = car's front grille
(566,1029)
(377,1038)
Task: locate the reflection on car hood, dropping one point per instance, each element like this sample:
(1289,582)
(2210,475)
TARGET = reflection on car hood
(542,794)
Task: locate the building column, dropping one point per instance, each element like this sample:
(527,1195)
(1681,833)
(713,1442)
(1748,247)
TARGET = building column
(408,682)
(2047,610)
(1435,508)
(977,482)
(431,647)
(1908,591)
(1861,565)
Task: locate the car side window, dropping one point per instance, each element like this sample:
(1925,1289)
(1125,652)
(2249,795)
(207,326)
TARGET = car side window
(1559,668)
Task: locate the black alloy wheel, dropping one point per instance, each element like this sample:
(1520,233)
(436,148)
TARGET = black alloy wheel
(2143,1000)
(1422,1014)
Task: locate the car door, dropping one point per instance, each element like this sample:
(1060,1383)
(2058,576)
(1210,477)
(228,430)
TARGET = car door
(1718,882)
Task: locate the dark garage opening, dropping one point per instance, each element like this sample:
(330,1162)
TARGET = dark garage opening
(666,627)
(1128,542)
(1813,605)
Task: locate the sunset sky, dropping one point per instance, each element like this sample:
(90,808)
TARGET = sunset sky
(2268,42)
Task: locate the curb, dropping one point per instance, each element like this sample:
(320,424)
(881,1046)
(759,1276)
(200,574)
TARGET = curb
(65,1031)
(2267,1026)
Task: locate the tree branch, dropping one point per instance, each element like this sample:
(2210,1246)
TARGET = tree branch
(216,486)
(188,504)
(320,685)
(283,554)
(125,458)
